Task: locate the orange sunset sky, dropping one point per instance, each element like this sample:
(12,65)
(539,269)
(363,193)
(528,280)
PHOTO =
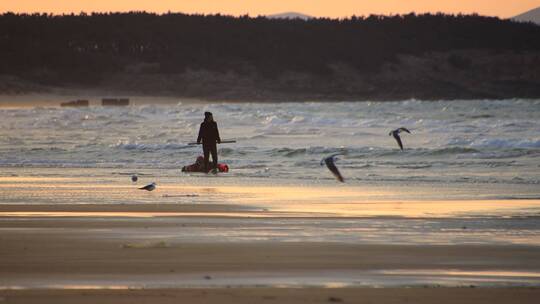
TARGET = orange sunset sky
(319,8)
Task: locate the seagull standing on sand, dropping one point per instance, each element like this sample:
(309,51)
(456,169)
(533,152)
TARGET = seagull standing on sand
(329,161)
(396,132)
(149,187)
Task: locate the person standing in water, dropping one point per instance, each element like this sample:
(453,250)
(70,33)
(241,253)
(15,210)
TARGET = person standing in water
(209,135)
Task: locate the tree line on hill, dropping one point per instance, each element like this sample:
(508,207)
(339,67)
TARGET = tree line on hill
(83,48)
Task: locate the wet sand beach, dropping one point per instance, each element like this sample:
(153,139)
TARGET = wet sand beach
(119,253)
(454,218)
(86,257)
(279,295)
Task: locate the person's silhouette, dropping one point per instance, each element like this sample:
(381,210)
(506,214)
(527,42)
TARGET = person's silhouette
(209,135)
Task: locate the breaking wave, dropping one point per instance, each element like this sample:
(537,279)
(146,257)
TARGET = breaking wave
(471,139)
(506,143)
(150,147)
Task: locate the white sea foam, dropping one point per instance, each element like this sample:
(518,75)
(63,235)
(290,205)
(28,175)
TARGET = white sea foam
(506,143)
(447,136)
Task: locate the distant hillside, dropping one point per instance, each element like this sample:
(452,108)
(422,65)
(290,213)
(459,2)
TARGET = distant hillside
(530,16)
(222,57)
(290,15)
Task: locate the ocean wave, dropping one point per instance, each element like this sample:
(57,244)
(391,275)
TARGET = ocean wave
(124,122)
(226,151)
(288,152)
(505,154)
(258,136)
(149,147)
(367,152)
(498,164)
(506,143)
(290,139)
(307,164)
(255,166)
(47,149)
(451,150)
(480,116)
(316,150)
(412,166)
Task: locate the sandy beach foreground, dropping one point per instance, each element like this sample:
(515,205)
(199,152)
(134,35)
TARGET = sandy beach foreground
(121,253)
(278,295)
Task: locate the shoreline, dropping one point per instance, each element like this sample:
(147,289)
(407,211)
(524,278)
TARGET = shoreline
(53,99)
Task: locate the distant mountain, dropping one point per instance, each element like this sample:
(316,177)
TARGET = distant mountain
(290,15)
(530,16)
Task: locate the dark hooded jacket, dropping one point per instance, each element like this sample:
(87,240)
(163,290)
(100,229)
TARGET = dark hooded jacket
(208,133)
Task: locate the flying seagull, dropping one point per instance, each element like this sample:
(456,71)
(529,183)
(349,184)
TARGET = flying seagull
(149,187)
(329,161)
(396,132)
